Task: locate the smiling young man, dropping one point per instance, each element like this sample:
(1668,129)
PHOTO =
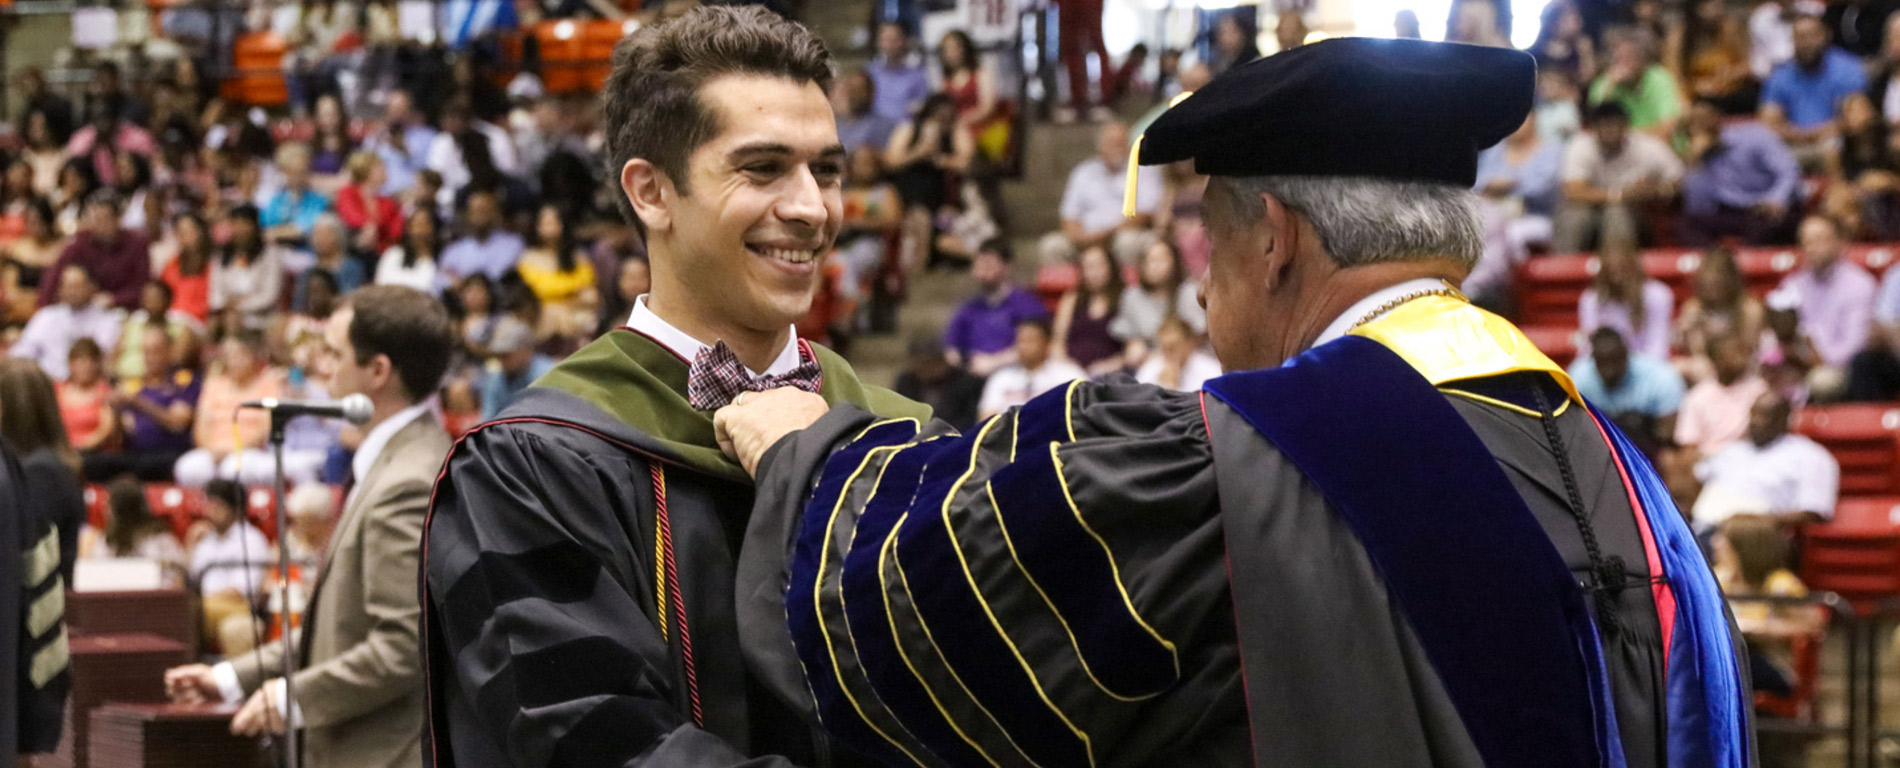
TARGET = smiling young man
(579,568)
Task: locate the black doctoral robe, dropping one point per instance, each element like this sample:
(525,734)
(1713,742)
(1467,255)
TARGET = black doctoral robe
(578,578)
(1151,473)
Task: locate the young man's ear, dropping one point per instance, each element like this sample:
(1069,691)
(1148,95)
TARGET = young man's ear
(650,192)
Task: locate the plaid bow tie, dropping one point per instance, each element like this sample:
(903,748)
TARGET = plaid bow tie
(717,377)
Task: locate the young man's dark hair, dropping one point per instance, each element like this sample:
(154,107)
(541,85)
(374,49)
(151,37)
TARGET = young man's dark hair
(1000,247)
(415,335)
(1038,323)
(230,492)
(651,102)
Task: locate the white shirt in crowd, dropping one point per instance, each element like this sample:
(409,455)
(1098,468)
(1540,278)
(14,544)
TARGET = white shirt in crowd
(1644,158)
(218,560)
(1094,194)
(48,337)
(390,271)
(1200,367)
(1015,385)
(1791,474)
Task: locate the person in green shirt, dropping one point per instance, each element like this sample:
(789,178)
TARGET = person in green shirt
(1644,87)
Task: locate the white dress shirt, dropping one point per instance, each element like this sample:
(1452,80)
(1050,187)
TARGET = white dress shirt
(1791,474)
(687,348)
(1353,314)
(1014,385)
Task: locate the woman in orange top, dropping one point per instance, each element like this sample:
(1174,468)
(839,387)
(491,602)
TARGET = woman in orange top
(189,273)
(84,403)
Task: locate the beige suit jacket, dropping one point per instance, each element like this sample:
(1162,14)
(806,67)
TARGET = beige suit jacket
(361,692)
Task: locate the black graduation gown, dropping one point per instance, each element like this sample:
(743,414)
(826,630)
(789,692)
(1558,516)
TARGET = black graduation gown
(35,674)
(563,598)
(1350,683)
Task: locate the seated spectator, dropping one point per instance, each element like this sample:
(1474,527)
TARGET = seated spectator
(1720,305)
(1518,191)
(859,126)
(288,215)
(561,279)
(972,87)
(1611,178)
(43,151)
(155,311)
(1742,182)
(487,248)
(1629,387)
(402,142)
(632,278)
(981,336)
(1836,301)
(311,511)
(188,274)
(25,261)
(1645,89)
(227,563)
(297,336)
(247,279)
(1771,33)
(50,335)
(1558,118)
(110,132)
(1785,477)
(1092,205)
(1874,374)
(951,392)
(330,254)
(1713,59)
(899,85)
(155,415)
(927,157)
(134,187)
(330,145)
(1085,312)
(1801,99)
(1787,355)
(85,399)
(31,425)
(1163,290)
(412,261)
(1715,411)
(374,216)
(1034,372)
(1563,43)
(1622,297)
(872,211)
(1178,362)
(517,365)
(224,449)
(132,531)
(1862,165)
(1751,560)
(118,261)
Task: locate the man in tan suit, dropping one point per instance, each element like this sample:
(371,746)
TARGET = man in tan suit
(359,696)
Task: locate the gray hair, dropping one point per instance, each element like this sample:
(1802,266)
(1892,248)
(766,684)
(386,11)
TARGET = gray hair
(1367,221)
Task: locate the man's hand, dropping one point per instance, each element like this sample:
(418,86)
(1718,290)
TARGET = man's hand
(192,684)
(258,716)
(756,420)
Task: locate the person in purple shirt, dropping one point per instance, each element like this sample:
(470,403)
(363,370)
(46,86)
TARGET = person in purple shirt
(1742,181)
(1836,305)
(487,248)
(859,125)
(119,261)
(982,334)
(898,85)
(1802,97)
(156,419)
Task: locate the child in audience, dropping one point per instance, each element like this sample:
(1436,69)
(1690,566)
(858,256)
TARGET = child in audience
(227,564)
(132,531)
(1751,560)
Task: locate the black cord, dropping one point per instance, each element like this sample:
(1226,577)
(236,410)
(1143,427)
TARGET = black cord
(1607,577)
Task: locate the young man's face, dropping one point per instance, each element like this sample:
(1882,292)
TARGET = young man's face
(764,201)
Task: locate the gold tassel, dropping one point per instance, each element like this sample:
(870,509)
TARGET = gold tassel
(1134,162)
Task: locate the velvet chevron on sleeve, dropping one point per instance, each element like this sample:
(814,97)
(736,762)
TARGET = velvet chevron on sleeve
(976,599)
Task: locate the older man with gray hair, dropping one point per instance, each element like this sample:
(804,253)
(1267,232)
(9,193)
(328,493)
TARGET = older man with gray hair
(1392,534)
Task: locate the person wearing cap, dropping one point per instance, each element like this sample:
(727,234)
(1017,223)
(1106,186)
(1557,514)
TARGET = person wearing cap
(516,365)
(1392,534)
(118,260)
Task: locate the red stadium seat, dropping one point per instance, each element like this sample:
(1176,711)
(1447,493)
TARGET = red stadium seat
(96,499)
(1864,438)
(261,507)
(1675,268)
(1856,556)
(178,505)
(1548,288)
(1875,257)
(1053,280)
(1557,341)
(1764,268)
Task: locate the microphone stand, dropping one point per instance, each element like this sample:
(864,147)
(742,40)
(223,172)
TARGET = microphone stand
(278,421)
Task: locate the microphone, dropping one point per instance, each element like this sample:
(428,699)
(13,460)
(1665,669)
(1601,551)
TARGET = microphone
(355,409)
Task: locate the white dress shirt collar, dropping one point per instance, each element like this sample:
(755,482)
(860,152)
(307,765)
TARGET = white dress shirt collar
(1353,314)
(687,348)
(378,439)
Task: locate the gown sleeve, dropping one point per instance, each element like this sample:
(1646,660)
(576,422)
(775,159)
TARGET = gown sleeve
(1027,593)
(535,598)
